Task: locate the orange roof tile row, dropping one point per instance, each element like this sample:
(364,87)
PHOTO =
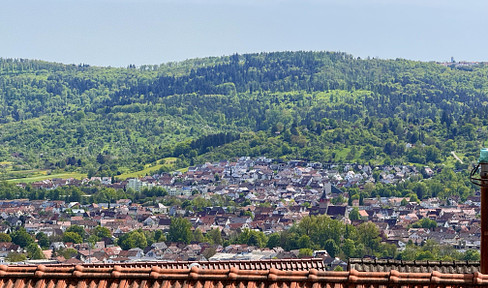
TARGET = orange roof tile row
(263,264)
(117,276)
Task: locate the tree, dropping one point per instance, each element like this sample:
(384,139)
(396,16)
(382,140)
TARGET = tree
(100,158)
(199,203)
(321,228)
(351,154)
(43,240)
(273,240)
(425,223)
(72,237)
(368,188)
(471,255)
(339,200)
(180,230)
(388,250)
(139,239)
(15,257)
(354,215)
(369,235)
(413,198)
(338,268)
(348,247)
(304,242)
(159,236)
(368,152)
(331,247)
(34,252)
(361,199)
(78,230)
(350,232)
(307,225)
(92,239)
(289,240)
(101,232)
(198,236)
(5,237)
(68,253)
(421,191)
(76,195)
(252,238)
(305,252)
(425,255)
(21,237)
(132,239)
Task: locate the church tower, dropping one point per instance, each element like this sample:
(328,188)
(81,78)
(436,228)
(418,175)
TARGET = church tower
(324,201)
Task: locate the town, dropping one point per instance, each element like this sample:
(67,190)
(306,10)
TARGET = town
(259,194)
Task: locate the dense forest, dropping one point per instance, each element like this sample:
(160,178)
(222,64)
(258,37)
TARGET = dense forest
(318,106)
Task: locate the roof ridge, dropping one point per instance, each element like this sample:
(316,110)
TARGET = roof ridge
(234,273)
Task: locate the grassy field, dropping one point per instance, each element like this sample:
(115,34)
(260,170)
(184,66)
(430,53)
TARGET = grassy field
(149,168)
(32,171)
(19,175)
(39,175)
(341,155)
(45,177)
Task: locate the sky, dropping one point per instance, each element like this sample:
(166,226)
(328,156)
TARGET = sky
(122,32)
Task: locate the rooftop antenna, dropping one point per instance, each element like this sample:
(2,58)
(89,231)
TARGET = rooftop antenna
(482,181)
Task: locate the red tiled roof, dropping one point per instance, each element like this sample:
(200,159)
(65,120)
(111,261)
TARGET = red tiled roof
(117,276)
(264,264)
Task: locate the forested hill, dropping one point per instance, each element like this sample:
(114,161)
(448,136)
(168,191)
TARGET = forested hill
(320,106)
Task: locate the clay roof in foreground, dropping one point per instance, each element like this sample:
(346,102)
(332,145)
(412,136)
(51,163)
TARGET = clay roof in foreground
(384,265)
(116,276)
(303,264)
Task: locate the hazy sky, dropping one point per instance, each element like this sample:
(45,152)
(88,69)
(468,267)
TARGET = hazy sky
(123,32)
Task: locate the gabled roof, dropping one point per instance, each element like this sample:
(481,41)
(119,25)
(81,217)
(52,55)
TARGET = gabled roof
(333,210)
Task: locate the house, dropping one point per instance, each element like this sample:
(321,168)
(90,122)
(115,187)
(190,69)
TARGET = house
(363,214)
(154,253)
(134,253)
(57,246)
(159,209)
(7,247)
(151,221)
(14,221)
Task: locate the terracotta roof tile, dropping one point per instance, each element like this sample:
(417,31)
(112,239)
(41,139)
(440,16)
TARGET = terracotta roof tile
(265,264)
(115,276)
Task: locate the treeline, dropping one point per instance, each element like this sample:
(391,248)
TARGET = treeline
(319,106)
(83,194)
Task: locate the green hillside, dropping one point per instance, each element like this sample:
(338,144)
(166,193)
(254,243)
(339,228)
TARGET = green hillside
(320,106)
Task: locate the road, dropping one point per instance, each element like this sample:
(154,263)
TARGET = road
(457,158)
